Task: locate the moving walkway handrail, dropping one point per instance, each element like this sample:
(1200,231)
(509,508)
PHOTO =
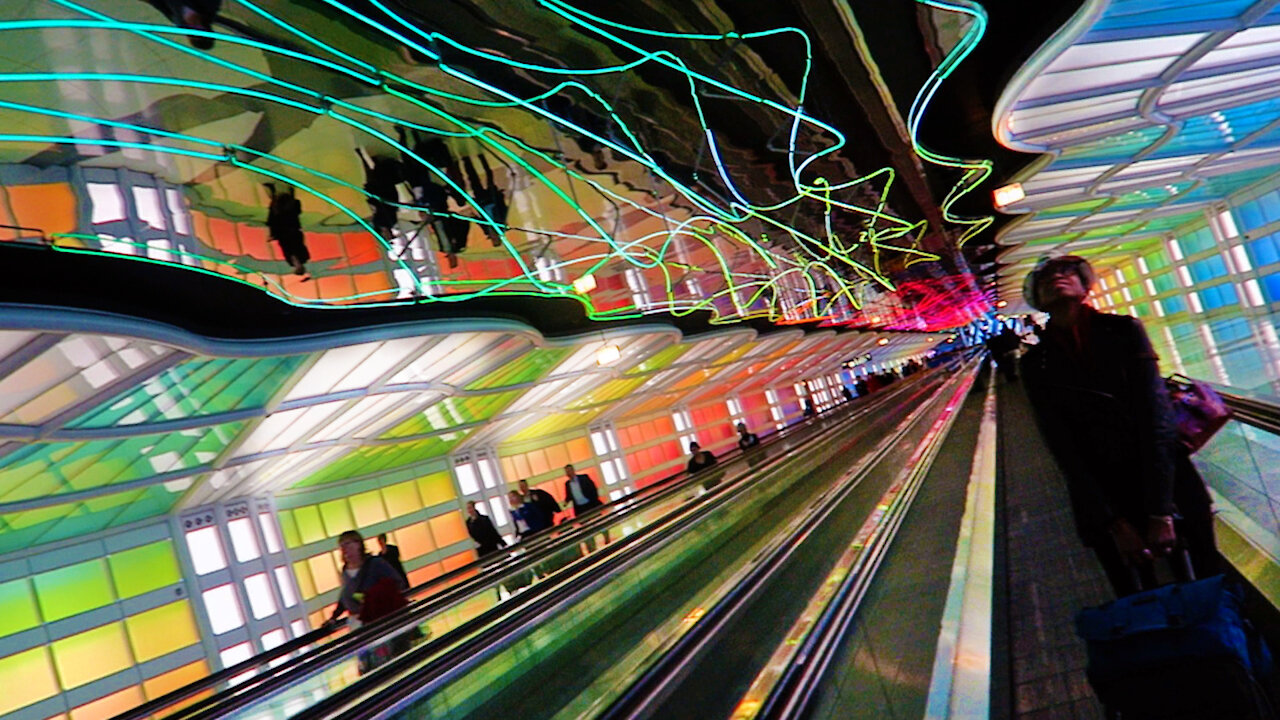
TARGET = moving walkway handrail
(654,684)
(398,681)
(535,549)
(1258,412)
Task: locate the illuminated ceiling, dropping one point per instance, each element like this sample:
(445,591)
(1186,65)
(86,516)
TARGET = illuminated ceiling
(106,421)
(1151,112)
(675,167)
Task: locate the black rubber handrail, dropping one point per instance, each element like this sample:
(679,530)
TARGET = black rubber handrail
(535,549)
(397,681)
(1260,413)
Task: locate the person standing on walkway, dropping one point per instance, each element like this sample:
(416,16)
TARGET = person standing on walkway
(580,490)
(1105,414)
(481,529)
(541,498)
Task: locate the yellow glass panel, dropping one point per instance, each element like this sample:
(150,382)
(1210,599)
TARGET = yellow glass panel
(414,540)
(302,571)
(28,678)
(109,706)
(90,655)
(436,488)
(162,630)
(323,573)
(17,607)
(508,468)
(367,509)
(73,589)
(310,529)
(401,499)
(143,569)
(448,529)
(337,517)
(579,450)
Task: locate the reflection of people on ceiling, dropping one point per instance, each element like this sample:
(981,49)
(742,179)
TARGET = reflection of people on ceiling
(450,230)
(488,196)
(193,15)
(382,175)
(285,227)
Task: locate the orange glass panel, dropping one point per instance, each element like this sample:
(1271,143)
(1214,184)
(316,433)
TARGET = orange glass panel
(424,574)
(448,529)
(176,678)
(537,462)
(109,706)
(50,207)
(664,426)
(162,630)
(379,283)
(323,246)
(414,540)
(361,248)
(579,450)
(28,678)
(323,573)
(557,456)
(90,655)
(508,468)
(458,560)
(521,464)
(255,243)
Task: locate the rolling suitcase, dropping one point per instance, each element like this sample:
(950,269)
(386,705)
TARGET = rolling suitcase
(1182,651)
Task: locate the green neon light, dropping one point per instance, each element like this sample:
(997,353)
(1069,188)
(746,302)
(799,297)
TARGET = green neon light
(711,216)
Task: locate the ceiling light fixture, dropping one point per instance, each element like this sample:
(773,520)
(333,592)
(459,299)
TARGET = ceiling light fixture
(584,284)
(608,354)
(1008,195)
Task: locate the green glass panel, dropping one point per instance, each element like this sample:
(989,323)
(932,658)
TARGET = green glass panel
(1156,260)
(336,515)
(527,368)
(368,460)
(452,412)
(661,359)
(289,529)
(1164,283)
(612,390)
(42,469)
(73,589)
(199,386)
(17,607)
(310,528)
(143,569)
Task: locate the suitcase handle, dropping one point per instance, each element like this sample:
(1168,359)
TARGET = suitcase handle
(1180,568)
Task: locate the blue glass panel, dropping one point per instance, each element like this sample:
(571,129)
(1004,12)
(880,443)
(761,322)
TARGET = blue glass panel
(1207,269)
(1218,296)
(1271,287)
(1144,13)
(1175,304)
(1263,251)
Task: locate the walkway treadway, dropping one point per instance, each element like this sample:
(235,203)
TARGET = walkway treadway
(1050,574)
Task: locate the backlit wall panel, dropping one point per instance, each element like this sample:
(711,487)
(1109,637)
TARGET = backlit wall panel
(95,628)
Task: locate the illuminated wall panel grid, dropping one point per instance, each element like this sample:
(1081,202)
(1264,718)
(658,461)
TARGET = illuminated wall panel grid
(1207,293)
(1161,169)
(97,627)
(544,189)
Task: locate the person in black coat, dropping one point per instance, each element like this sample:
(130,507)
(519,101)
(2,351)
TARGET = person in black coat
(746,439)
(699,459)
(1105,414)
(580,490)
(391,554)
(481,529)
(542,499)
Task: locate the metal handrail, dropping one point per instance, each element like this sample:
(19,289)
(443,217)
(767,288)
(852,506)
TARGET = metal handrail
(535,549)
(1253,411)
